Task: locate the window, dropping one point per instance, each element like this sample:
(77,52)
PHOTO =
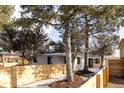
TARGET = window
(65,60)
(35,60)
(78,60)
(97,60)
(49,60)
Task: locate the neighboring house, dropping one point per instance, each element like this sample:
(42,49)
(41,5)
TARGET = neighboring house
(121,47)
(57,58)
(94,58)
(7,59)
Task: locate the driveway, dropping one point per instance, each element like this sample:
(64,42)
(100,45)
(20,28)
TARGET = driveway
(116,82)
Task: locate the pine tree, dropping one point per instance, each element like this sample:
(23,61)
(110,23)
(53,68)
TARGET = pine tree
(6,12)
(96,19)
(104,44)
(27,42)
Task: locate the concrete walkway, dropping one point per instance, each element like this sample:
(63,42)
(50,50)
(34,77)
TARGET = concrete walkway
(43,83)
(95,70)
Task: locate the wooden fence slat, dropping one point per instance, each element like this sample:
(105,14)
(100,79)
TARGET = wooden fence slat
(116,67)
(107,73)
(98,81)
(105,77)
(13,78)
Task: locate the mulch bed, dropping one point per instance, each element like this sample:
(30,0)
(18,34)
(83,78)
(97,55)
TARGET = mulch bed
(78,81)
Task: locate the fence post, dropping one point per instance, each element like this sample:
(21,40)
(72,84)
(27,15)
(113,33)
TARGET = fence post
(107,73)
(98,81)
(13,78)
(105,77)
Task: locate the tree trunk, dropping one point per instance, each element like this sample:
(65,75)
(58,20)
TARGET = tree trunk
(86,43)
(86,51)
(24,58)
(101,63)
(73,64)
(74,56)
(69,72)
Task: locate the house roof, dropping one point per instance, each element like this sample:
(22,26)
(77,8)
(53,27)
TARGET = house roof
(7,53)
(57,54)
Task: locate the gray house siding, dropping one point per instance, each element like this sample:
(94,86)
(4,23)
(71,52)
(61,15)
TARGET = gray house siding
(58,59)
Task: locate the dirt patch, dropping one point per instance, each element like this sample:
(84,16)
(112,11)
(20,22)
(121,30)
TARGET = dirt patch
(78,81)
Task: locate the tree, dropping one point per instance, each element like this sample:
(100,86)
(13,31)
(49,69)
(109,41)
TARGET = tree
(59,46)
(96,19)
(45,15)
(33,19)
(88,19)
(66,14)
(104,44)
(7,38)
(28,42)
(107,25)
(76,44)
(5,14)
(32,43)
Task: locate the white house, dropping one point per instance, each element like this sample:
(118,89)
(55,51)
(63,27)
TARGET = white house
(57,58)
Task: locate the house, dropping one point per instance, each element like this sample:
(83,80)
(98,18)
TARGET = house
(57,58)
(121,47)
(95,58)
(8,59)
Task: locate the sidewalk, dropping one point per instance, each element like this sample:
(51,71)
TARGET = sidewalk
(43,83)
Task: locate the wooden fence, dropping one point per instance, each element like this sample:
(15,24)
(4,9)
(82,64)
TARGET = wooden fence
(116,67)
(99,80)
(20,75)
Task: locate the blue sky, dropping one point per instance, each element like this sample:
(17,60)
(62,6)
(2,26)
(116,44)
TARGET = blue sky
(53,34)
(121,32)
